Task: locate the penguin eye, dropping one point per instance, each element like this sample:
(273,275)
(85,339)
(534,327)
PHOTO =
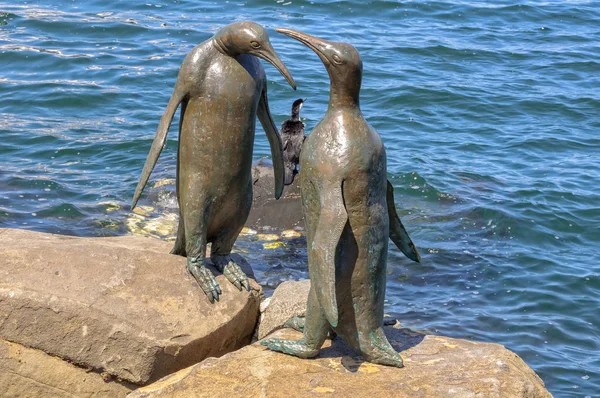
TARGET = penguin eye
(336,59)
(255,44)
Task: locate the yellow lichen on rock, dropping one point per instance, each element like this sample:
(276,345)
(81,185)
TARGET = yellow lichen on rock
(145,211)
(164,226)
(291,234)
(267,237)
(110,206)
(323,389)
(273,245)
(163,182)
(248,231)
(367,367)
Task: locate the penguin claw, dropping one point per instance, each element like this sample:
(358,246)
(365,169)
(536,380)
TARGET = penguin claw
(205,279)
(246,284)
(232,272)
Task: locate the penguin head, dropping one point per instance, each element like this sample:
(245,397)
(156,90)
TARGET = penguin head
(342,61)
(248,37)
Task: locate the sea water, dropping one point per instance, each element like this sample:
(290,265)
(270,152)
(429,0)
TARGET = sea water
(490,114)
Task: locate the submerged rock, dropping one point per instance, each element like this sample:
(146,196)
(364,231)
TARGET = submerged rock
(121,306)
(267,212)
(435,366)
(163,226)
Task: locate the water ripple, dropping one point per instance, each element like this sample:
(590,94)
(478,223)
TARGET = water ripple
(488,110)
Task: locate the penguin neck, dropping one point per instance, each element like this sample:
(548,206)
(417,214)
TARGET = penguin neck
(221,46)
(341,96)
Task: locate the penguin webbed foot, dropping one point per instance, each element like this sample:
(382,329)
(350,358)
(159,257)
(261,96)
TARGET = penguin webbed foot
(232,271)
(205,279)
(298,348)
(377,349)
(387,359)
(297,323)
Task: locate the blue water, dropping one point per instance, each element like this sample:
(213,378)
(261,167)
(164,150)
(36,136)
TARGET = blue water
(490,113)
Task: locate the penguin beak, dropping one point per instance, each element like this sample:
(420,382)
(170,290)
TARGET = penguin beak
(269,55)
(314,43)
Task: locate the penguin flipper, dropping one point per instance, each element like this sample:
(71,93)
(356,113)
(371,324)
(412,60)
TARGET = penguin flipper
(159,141)
(331,224)
(264,115)
(398,233)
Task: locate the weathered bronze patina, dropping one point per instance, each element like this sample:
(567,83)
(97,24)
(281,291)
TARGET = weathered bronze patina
(221,87)
(349,212)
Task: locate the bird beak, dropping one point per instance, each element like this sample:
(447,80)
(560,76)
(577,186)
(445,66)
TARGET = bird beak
(269,55)
(314,43)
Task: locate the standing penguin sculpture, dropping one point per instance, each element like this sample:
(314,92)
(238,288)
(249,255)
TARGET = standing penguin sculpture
(349,211)
(221,87)
(292,135)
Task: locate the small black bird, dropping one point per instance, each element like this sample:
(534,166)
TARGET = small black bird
(292,135)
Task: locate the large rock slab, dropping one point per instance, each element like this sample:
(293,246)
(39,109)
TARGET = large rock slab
(288,301)
(266,212)
(435,366)
(122,306)
(25,372)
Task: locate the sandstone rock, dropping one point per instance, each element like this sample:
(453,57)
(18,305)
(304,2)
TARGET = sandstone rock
(25,372)
(122,306)
(285,213)
(288,301)
(435,366)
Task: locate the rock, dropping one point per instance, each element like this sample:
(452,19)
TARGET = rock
(291,234)
(266,212)
(435,366)
(25,372)
(122,306)
(141,223)
(288,301)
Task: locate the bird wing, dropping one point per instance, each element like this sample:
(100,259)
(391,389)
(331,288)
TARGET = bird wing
(398,233)
(264,115)
(330,226)
(159,139)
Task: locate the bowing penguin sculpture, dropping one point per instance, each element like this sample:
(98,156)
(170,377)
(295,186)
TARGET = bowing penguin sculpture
(221,87)
(349,211)
(292,135)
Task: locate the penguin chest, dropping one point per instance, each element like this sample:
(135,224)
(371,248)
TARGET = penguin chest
(232,90)
(218,124)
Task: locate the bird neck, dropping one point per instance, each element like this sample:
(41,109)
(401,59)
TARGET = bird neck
(344,90)
(295,115)
(342,97)
(223,43)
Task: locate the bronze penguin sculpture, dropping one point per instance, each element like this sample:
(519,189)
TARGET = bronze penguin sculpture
(292,135)
(221,87)
(349,212)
